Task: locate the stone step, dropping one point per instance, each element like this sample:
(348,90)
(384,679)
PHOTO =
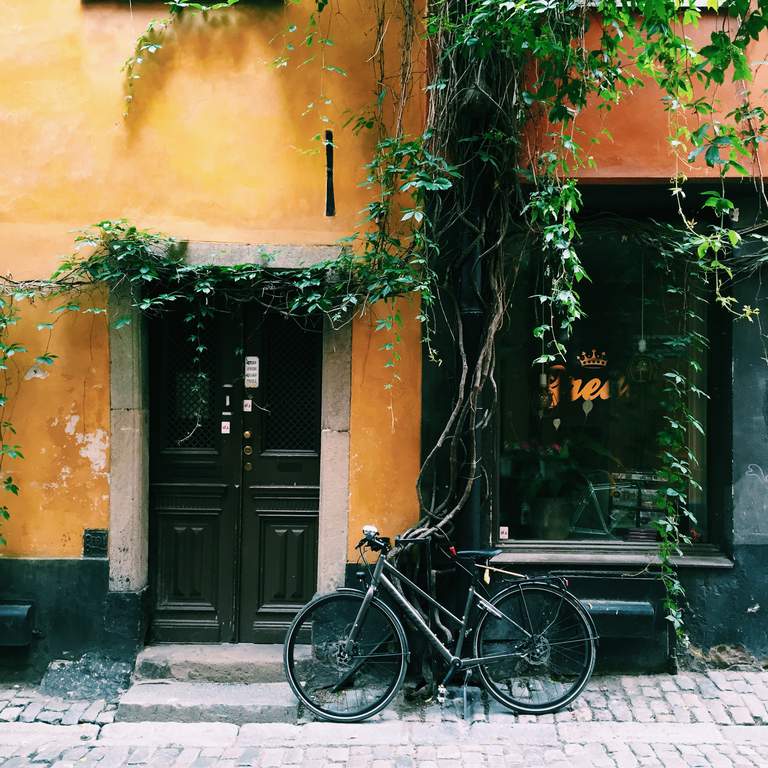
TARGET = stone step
(224,663)
(236,703)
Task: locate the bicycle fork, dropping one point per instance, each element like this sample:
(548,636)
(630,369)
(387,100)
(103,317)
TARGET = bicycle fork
(367,600)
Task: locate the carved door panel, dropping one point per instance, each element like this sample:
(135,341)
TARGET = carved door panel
(281,474)
(234,487)
(194,480)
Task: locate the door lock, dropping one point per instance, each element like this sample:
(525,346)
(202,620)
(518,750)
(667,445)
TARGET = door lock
(248,450)
(247,434)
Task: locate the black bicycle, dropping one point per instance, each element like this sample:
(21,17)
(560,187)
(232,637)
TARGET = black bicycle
(346,653)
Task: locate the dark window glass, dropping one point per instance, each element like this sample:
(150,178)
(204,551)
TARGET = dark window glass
(579,453)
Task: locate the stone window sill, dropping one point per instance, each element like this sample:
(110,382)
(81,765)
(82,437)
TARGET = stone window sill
(602,553)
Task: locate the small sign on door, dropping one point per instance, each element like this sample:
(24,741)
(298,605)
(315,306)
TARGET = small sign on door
(251,372)
(225,427)
(247,406)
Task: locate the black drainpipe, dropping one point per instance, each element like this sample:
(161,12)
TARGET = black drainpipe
(470,528)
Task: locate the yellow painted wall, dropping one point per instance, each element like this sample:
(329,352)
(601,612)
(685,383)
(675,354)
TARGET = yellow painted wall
(385,438)
(62,424)
(214,149)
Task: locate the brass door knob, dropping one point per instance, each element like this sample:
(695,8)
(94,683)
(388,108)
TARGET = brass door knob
(248,450)
(247,434)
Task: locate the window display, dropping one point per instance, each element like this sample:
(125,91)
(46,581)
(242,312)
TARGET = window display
(580,436)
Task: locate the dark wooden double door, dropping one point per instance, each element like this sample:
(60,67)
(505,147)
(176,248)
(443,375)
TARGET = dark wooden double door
(235,465)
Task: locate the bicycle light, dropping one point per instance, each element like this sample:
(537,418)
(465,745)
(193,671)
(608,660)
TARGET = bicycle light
(370,531)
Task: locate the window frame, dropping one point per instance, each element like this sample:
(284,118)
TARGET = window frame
(713,553)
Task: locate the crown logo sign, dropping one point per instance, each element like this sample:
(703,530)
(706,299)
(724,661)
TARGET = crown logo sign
(594,360)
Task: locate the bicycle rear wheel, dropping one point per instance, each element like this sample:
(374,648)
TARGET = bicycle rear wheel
(545,648)
(337,681)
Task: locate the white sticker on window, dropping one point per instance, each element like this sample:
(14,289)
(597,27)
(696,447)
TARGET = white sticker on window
(247,406)
(225,427)
(503,532)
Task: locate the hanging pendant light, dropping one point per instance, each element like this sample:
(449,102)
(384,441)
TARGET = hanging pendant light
(642,368)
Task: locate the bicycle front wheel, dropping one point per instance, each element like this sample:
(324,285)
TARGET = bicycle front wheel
(542,648)
(341,681)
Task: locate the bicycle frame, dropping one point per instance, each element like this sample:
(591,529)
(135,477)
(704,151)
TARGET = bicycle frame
(454,659)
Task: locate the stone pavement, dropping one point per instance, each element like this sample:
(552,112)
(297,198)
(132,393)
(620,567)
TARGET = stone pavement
(27,705)
(713,719)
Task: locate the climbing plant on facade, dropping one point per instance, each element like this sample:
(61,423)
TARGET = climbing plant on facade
(487,189)
(510,83)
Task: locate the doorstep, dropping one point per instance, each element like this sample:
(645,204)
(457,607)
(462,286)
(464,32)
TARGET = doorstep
(237,703)
(213,663)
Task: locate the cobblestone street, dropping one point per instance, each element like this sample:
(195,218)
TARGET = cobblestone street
(713,719)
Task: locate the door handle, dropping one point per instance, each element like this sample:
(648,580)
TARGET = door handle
(247,434)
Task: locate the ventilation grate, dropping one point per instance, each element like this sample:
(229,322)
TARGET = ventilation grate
(190,395)
(293,356)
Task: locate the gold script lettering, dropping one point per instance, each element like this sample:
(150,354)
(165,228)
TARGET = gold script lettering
(592,390)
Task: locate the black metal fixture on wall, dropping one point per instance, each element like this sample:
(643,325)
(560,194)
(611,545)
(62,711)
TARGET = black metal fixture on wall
(330,197)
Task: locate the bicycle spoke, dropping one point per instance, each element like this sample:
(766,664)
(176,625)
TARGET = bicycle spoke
(541,672)
(344,678)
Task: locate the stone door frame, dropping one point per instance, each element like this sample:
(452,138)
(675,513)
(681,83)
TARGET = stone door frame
(129,425)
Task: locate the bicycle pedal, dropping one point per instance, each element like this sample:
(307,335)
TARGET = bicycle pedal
(442,694)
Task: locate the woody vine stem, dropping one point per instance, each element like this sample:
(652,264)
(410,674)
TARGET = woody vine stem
(487,188)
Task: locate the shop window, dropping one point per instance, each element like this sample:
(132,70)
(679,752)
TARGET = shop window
(579,438)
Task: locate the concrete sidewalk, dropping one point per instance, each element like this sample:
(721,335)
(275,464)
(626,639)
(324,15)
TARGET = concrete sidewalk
(396,744)
(712,719)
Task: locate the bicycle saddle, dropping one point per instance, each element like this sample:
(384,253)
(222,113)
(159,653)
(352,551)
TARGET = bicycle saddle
(478,554)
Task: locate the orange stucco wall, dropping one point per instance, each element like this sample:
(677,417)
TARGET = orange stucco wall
(639,126)
(62,423)
(214,149)
(385,441)
(215,145)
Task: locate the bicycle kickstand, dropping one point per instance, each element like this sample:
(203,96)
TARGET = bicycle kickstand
(467,702)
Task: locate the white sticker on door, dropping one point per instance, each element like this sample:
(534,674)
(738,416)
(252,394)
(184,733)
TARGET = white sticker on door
(225,427)
(247,406)
(251,372)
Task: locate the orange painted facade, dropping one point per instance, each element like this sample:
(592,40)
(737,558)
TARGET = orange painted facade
(385,437)
(217,148)
(636,146)
(61,415)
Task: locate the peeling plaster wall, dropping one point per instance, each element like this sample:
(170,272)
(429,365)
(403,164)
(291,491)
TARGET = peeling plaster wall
(61,416)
